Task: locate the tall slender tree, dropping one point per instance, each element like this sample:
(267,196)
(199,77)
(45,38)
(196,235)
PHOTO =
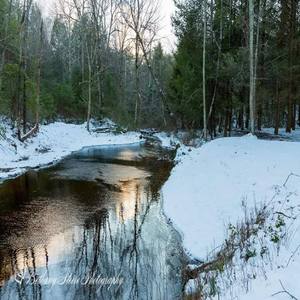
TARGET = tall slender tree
(251,63)
(204,70)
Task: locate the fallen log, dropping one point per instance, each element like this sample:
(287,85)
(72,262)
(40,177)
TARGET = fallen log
(31,132)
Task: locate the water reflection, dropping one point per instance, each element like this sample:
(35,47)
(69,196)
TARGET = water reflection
(94,224)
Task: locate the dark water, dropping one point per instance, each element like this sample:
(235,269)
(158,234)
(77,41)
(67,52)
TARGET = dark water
(90,228)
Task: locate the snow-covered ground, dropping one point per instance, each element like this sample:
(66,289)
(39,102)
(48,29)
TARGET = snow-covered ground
(206,190)
(53,142)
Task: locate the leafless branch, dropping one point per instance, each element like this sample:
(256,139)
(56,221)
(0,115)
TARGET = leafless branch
(284,291)
(288,178)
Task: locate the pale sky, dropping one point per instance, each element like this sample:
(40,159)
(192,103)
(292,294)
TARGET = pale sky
(166,33)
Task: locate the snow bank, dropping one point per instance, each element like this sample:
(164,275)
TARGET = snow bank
(206,188)
(52,143)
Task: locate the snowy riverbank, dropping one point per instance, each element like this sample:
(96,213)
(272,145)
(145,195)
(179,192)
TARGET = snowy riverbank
(53,142)
(206,190)
(203,195)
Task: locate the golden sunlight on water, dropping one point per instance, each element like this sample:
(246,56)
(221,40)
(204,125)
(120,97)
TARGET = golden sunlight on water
(126,155)
(129,200)
(52,252)
(88,216)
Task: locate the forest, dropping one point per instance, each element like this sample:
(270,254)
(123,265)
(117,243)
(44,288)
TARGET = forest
(236,65)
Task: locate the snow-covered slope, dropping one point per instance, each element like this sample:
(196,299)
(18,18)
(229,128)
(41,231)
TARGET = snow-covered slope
(53,142)
(206,190)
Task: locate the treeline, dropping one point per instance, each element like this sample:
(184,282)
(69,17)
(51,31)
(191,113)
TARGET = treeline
(217,34)
(236,64)
(89,59)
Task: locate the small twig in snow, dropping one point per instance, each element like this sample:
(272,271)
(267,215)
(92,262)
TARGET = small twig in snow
(284,291)
(293,254)
(283,214)
(288,178)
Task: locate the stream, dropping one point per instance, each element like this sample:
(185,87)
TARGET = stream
(91,227)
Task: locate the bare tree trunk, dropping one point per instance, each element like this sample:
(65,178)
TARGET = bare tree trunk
(204,74)
(261,7)
(24,65)
(69,50)
(277,109)
(251,61)
(290,101)
(37,113)
(241,118)
(294,120)
(38,92)
(99,86)
(218,62)
(21,70)
(2,62)
(136,69)
(89,94)
(291,36)
(24,109)
(82,58)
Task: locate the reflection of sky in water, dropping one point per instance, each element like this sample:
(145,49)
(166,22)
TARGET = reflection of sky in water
(87,216)
(131,152)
